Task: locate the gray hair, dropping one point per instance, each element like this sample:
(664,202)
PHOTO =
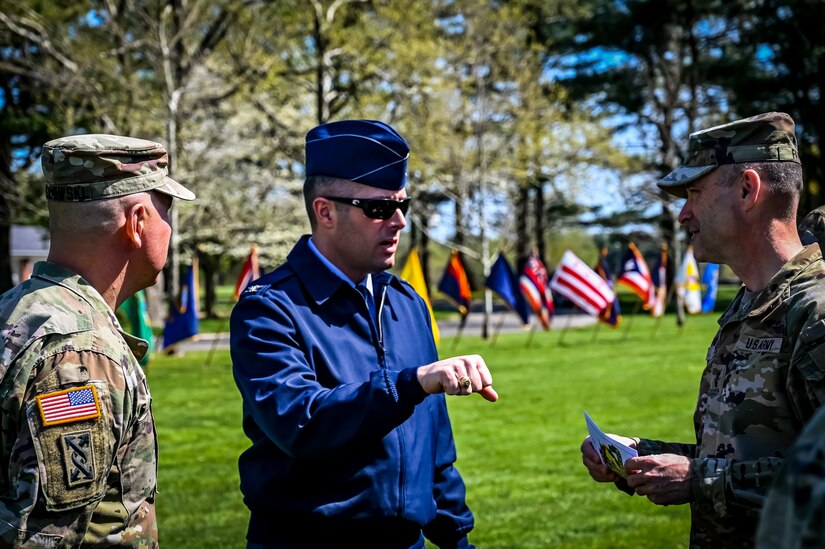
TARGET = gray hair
(783,181)
(98,217)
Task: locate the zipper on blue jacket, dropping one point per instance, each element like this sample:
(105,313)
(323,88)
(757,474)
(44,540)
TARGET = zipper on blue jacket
(380,309)
(402,472)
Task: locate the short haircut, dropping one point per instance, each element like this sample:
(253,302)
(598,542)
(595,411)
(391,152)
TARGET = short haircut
(100,217)
(783,180)
(321,185)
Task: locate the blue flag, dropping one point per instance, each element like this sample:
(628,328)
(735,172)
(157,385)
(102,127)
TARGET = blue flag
(710,280)
(502,280)
(183,321)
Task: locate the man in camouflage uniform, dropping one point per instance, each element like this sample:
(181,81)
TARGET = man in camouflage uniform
(812,227)
(765,373)
(794,513)
(77,440)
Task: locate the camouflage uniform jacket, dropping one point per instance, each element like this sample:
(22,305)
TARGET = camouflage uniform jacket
(77,438)
(764,379)
(794,513)
(812,227)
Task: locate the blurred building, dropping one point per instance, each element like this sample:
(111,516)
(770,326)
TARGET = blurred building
(28,246)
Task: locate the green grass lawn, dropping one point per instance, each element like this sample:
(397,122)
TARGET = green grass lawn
(519,457)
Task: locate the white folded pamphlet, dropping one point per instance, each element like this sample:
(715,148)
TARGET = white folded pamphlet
(612,452)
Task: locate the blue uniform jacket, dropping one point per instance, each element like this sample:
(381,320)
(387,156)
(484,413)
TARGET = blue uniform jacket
(344,439)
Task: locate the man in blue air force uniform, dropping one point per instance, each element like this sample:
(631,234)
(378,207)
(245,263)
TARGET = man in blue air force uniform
(341,383)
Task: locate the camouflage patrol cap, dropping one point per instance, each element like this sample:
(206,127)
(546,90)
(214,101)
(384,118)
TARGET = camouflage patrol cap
(767,137)
(80,168)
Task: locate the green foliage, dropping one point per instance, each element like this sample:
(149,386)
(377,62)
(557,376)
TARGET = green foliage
(778,65)
(198,417)
(519,457)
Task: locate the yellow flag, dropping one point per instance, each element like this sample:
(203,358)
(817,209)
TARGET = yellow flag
(413,274)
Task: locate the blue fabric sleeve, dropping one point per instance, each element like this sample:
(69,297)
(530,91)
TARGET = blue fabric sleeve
(453,520)
(284,397)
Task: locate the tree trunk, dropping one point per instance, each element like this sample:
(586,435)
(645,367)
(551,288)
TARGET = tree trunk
(209,266)
(321,107)
(424,249)
(459,221)
(414,233)
(522,208)
(5,253)
(538,228)
(6,183)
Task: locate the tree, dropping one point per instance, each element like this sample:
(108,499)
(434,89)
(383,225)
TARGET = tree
(646,64)
(778,64)
(42,89)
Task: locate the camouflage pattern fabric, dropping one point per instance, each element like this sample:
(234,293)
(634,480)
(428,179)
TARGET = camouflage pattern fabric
(812,227)
(70,481)
(764,379)
(767,137)
(80,168)
(794,513)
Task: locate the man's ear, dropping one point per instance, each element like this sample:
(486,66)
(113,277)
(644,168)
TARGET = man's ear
(135,224)
(324,212)
(750,188)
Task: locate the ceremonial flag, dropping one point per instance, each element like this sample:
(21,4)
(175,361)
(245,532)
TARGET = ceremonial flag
(611,315)
(710,281)
(183,321)
(581,285)
(414,274)
(502,281)
(135,310)
(688,289)
(455,285)
(659,278)
(534,286)
(636,276)
(249,272)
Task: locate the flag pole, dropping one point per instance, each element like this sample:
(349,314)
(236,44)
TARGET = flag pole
(596,329)
(566,327)
(498,329)
(630,322)
(659,318)
(531,334)
(213,347)
(460,330)
(656,326)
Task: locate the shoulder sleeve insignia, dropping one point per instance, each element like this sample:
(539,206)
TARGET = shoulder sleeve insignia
(69,405)
(78,458)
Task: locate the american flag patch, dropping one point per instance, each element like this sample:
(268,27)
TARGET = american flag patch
(69,405)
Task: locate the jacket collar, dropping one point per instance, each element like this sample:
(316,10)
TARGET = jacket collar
(320,282)
(778,288)
(62,276)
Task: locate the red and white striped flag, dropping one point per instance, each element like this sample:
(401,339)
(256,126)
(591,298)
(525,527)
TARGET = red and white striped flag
(581,285)
(636,276)
(69,405)
(533,284)
(249,272)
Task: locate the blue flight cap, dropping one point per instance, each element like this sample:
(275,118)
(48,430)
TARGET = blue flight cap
(364,151)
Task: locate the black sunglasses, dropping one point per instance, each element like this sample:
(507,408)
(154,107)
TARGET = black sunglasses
(375,208)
